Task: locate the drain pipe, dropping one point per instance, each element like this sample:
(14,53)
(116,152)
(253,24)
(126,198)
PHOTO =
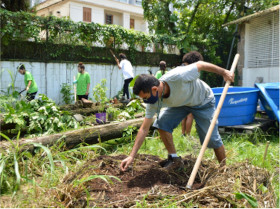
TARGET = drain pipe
(231,48)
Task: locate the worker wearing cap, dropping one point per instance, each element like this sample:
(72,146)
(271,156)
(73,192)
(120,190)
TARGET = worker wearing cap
(31,86)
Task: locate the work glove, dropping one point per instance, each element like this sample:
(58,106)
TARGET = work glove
(74,82)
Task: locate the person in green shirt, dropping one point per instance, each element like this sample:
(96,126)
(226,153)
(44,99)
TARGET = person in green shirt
(161,72)
(83,82)
(31,86)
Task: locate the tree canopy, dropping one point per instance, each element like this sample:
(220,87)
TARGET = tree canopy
(198,23)
(15,5)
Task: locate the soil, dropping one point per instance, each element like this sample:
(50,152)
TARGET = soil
(147,181)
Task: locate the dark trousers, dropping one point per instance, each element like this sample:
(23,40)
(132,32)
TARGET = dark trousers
(82,96)
(30,96)
(125,87)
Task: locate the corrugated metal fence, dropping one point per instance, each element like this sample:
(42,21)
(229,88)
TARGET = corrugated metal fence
(50,76)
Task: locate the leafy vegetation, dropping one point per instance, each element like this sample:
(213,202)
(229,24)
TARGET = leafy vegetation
(39,116)
(198,25)
(15,5)
(99,94)
(19,167)
(23,26)
(66,93)
(112,112)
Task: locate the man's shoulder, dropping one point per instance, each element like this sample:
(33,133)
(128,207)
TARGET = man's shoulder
(126,61)
(27,73)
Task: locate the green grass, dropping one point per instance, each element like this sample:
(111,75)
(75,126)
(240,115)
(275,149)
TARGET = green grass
(43,172)
(239,148)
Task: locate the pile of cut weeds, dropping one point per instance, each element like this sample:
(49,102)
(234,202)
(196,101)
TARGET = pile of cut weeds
(147,180)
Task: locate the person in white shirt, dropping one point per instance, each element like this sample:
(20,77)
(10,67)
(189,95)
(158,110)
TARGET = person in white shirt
(127,71)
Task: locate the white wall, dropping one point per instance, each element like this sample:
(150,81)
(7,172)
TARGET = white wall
(261,50)
(126,20)
(250,75)
(140,25)
(98,15)
(76,12)
(49,77)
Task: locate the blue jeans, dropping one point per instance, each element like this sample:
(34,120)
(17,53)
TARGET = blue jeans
(170,118)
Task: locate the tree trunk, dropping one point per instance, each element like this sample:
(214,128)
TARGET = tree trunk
(88,135)
(229,12)
(193,16)
(86,111)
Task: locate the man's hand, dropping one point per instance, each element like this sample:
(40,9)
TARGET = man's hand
(86,93)
(228,76)
(126,162)
(27,88)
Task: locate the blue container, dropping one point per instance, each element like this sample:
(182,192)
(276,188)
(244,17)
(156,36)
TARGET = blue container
(273,92)
(269,96)
(239,107)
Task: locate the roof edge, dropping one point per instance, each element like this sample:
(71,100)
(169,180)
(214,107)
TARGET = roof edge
(257,14)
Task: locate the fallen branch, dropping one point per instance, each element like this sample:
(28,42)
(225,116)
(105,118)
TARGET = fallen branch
(87,135)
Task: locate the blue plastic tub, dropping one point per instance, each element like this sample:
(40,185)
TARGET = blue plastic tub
(269,96)
(239,107)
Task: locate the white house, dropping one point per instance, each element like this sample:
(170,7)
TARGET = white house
(258,47)
(127,13)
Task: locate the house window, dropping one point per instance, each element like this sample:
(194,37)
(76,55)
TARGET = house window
(109,19)
(86,14)
(132,26)
(138,2)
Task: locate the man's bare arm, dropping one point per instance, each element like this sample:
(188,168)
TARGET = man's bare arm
(206,66)
(141,135)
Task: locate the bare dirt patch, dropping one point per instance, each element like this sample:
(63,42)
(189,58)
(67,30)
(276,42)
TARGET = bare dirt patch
(147,180)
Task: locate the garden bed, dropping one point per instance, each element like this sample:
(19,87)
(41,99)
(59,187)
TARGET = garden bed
(147,184)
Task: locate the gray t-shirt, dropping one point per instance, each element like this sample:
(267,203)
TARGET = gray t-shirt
(186,89)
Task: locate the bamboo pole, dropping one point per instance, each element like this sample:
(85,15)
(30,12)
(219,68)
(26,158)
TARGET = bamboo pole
(265,152)
(75,90)
(211,127)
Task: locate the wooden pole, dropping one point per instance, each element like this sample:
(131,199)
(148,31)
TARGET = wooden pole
(265,152)
(75,90)
(113,54)
(211,127)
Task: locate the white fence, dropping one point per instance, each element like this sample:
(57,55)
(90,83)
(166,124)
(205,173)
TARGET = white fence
(50,76)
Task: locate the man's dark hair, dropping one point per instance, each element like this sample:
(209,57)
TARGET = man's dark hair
(162,65)
(122,56)
(81,65)
(144,83)
(21,67)
(192,57)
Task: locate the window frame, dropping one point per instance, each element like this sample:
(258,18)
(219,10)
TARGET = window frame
(86,14)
